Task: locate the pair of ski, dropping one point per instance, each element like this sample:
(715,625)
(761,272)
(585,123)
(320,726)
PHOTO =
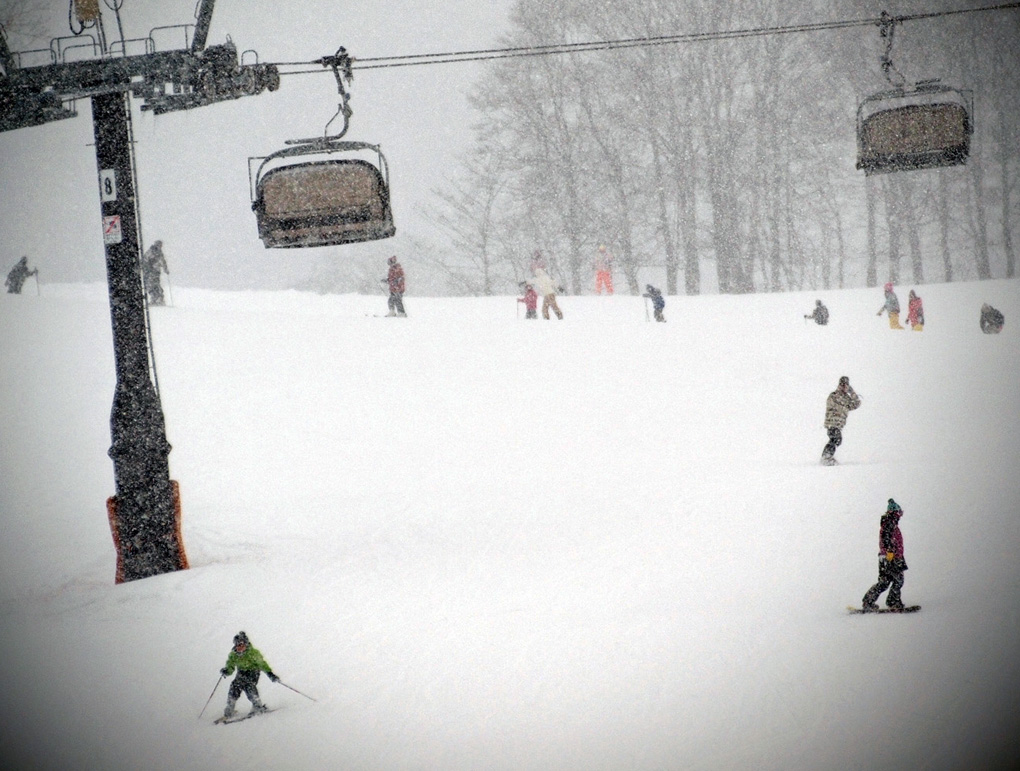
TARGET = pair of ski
(907,609)
(239,718)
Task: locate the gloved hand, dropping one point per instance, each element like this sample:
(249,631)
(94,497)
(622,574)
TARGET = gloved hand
(272,677)
(224,672)
(889,556)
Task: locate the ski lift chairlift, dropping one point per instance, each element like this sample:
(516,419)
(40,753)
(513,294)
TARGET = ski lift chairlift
(928,126)
(327,201)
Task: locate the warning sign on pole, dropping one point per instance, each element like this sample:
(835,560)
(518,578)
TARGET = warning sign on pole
(111,229)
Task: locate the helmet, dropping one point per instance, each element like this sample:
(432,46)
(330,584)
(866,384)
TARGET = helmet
(818,302)
(240,639)
(888,287)
(844,381)
(893,506)
(392,260)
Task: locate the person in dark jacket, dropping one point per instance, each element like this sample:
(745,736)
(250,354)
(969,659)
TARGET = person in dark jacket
(249,664)
(658,302)
(992,320)
(153,266)
(837,406)
(820,314)
(19,273)
(891,563)
(395,281)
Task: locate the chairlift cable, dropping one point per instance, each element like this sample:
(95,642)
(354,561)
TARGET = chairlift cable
(490,54)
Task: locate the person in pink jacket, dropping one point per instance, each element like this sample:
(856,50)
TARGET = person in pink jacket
(891,563)
(530,301)
(915,312)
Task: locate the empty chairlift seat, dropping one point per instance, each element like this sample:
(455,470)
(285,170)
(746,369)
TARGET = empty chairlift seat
(902,130)
(324,202)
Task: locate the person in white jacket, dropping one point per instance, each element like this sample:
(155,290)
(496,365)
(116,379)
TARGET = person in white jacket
(547,288)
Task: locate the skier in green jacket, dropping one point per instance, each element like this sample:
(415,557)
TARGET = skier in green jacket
(249,664)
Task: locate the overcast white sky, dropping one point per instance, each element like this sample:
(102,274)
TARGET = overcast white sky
(192,166)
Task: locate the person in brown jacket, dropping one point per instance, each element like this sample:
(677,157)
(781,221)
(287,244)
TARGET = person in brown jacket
(837,406)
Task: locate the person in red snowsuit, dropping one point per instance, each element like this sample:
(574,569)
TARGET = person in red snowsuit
(603,270)
(915,312)
(891,563)
(395,280)
(530,301)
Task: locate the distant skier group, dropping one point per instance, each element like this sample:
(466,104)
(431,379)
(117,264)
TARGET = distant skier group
(152,266)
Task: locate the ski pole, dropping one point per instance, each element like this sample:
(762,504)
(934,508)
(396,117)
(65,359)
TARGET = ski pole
(210,697)
(646,310)
(170,289)
(295,690)
(38,289)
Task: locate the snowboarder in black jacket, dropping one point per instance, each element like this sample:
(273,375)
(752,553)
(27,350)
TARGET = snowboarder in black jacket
(891,563)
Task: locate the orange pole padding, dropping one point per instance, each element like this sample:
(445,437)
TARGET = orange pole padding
(175,491)
(111,513)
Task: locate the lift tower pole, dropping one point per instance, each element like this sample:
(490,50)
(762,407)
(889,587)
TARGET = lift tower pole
(143,511)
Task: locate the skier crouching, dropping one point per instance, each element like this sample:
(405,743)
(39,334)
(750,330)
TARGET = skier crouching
(249,664)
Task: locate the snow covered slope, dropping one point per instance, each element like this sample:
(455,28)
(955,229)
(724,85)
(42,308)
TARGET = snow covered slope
(480,542)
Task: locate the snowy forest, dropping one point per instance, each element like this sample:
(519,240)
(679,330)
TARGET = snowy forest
(729,164)
(713,152)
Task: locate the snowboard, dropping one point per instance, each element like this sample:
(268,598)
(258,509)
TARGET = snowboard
(906,609)
(239,718)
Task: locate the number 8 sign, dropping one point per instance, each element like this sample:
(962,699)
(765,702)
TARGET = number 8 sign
(108,185)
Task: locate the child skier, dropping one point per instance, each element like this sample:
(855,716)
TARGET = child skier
(658,303)
(530,301)
(249,664)
(839,403)
(915,312)
(892,307)
(891,563)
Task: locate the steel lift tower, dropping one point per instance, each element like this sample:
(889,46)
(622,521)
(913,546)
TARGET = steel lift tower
(145,511)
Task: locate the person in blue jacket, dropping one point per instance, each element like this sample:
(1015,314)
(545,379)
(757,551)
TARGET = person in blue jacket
(658,302)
